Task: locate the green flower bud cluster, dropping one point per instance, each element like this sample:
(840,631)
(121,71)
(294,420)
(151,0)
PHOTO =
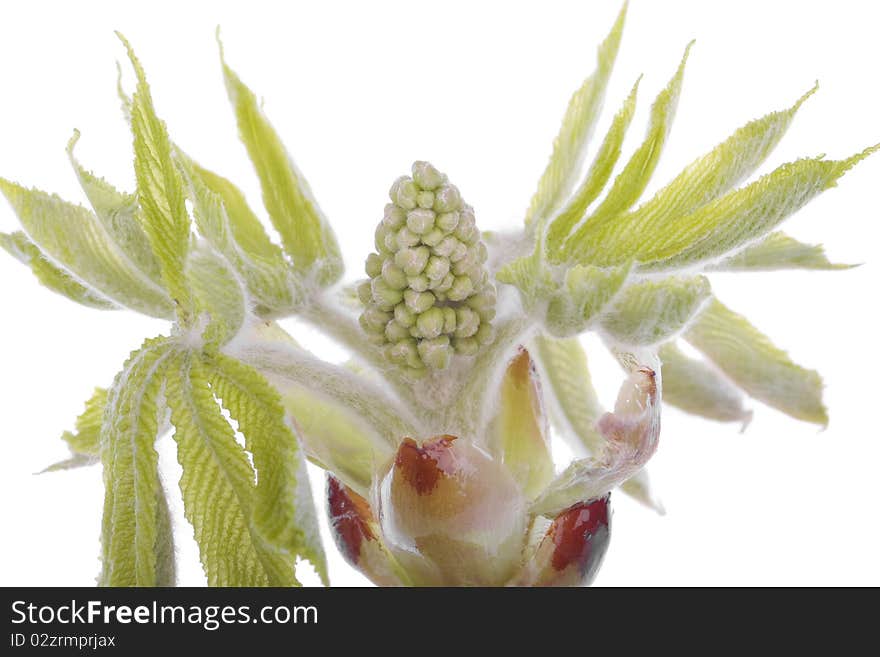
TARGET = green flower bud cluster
(428,294)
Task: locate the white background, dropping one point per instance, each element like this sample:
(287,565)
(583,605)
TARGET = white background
(358,91)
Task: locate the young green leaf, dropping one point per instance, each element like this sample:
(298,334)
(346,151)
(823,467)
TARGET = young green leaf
(530,276)
(218,486)
(166,566)
(124,98)
(697,387)
(223,217)
(160,191)
(283,511)
(87,438)
(71,463)
(333,436)
(739,217)
(117,212)
(778,251)
(597,177)
(577,126)
(763,370)
(652,311)
(129,534)
(709,176)
(74,239)
(574,405)
(632,180)
(56,279)
(305,233)
(217,293)
(586,292)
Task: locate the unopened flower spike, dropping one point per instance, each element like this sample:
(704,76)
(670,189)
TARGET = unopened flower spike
(437,436)
(428,295)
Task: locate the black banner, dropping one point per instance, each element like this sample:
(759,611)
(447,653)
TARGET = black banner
(124,620)
(134,621)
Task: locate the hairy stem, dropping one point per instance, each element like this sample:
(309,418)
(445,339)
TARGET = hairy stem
(460,400)
(332,320)
(447,401)
(281,361)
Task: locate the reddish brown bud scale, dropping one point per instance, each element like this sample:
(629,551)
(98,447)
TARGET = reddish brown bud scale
(580,535)
(423,466)
(572,547)
(350,517)
(356,533)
